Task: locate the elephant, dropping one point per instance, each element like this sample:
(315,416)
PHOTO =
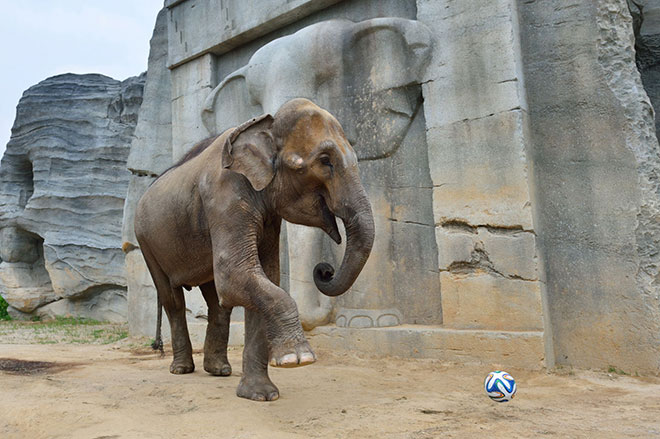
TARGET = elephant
(213,220)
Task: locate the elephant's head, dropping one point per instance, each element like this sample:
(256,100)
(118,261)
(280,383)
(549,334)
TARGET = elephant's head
(307,171)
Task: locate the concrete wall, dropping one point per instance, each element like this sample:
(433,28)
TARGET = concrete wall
(507,147)
(475,109)
(595,161)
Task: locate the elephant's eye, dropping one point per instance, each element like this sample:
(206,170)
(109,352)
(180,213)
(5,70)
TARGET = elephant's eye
(325,160)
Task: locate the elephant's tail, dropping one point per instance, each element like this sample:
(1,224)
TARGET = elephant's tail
(157,345)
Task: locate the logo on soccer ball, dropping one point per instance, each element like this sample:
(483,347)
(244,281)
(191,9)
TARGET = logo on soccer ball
(500,386)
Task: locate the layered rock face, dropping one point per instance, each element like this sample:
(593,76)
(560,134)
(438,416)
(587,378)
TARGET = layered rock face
(63,181)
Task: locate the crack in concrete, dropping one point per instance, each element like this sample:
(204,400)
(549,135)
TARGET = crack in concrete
(480,262)
(456,225)
(394,220)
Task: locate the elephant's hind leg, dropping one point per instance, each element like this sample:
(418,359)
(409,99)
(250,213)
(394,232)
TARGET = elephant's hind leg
(217,333)
(175,307)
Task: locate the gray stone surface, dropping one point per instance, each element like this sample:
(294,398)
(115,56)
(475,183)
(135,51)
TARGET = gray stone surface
(365,318)
(191,84)
(596,183)
(474,73)
(480,171)
(474,106)
(63,182)
(106,305)
(151,148)
(24,281)
(142,299)
(504,252)
(150,155)
(151,151)
(480,299)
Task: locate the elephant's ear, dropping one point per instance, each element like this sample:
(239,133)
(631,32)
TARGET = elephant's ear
(250,150)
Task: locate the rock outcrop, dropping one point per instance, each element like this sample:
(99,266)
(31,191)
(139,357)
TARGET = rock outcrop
(63,181)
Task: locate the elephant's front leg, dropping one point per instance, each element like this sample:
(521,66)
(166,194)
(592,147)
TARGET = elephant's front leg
(244,272)
(255,383)
(287,344)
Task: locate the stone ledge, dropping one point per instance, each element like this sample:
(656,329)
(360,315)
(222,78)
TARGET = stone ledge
(496,348)
(501,348)
(198,27)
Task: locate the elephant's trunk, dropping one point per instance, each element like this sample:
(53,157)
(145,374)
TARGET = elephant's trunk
(359,223)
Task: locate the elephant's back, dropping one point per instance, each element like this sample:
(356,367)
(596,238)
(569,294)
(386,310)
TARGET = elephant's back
(170,222)
(172,199)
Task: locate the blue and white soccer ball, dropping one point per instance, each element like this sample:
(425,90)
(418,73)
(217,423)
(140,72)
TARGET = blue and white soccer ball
(500,386)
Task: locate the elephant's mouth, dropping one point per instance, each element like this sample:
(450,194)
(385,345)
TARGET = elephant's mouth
(329,221)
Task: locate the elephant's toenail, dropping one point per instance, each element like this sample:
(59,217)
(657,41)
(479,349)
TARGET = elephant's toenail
(289,359)
(307,358)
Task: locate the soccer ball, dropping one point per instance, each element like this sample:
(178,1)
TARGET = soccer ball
(500,386)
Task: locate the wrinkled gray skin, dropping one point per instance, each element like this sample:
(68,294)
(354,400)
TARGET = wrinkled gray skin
(213,220)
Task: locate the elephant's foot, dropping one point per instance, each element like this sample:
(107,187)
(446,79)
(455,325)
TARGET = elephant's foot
(217,365)
(179,367)
(292,355)
(257,388)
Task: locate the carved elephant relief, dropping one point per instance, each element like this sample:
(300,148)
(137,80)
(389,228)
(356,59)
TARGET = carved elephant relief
(367,74)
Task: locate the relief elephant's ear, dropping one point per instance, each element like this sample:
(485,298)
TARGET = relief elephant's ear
(250,150)
(406,44)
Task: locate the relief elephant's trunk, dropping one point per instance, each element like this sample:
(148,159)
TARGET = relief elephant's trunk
(359,223)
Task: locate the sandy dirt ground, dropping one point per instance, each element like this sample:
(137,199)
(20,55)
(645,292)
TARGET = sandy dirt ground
(123,390)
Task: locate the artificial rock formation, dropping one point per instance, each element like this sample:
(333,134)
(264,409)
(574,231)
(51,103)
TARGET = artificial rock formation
(508,148)
(63,182)
(406,103)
